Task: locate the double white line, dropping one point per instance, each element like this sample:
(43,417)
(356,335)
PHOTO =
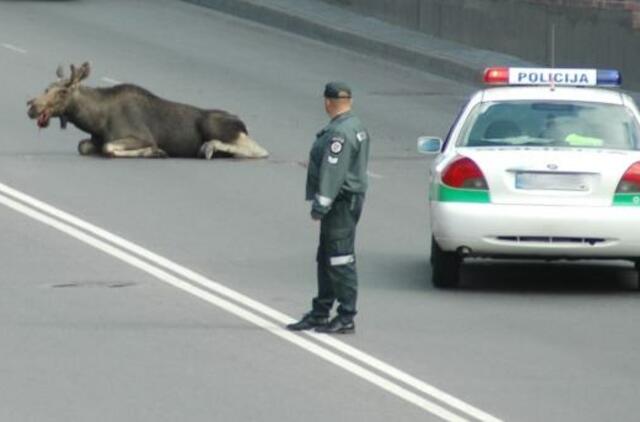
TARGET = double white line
(353,360)
(14,48)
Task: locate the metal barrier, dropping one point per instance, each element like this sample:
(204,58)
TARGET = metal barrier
(587,33)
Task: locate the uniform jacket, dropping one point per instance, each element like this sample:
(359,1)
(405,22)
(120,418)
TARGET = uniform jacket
(337,162)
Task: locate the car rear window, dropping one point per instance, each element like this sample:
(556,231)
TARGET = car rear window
(547,123)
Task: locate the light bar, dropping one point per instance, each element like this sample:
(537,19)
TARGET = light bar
(609,77)
(496,76)
(551,76)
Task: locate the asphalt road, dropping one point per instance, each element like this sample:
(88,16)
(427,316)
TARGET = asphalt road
(92,336)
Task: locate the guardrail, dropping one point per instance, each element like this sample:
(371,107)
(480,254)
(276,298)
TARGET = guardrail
(587,33)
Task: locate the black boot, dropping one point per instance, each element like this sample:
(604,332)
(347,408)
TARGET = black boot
(308,322)
(338,325)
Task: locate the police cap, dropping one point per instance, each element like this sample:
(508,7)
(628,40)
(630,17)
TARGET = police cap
(337,90)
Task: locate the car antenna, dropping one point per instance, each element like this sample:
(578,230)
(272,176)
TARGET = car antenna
(552,48)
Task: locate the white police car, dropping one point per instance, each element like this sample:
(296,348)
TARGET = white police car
(545,166)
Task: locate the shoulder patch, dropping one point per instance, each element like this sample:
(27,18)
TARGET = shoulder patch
(335,147)
(361,136)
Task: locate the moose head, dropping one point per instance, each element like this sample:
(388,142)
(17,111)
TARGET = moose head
(55,99)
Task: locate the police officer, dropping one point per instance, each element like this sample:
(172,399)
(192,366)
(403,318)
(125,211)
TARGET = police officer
(336,184)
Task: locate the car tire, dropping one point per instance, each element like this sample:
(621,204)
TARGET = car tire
(637,265)
(445,267)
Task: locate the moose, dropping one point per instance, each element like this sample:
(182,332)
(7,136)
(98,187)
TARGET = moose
(128,121)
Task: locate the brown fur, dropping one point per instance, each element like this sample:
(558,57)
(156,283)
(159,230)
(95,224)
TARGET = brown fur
(129,121)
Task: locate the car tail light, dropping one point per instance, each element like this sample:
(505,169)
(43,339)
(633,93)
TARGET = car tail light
(630,182)
(464,173)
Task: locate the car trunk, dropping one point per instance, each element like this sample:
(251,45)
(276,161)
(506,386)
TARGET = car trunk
(551,176)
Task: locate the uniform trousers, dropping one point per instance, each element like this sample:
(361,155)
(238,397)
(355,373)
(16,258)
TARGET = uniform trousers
(336,259)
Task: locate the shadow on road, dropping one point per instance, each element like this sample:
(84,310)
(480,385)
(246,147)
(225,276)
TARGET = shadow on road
(394,272)
(557,277)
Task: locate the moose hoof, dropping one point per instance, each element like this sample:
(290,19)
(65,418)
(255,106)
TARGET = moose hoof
(158,153)
(87,147)
(207,150)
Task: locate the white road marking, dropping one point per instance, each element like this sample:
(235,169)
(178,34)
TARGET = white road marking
(246,301)
(235,310)
(14,48)
(374,175)
(110,81)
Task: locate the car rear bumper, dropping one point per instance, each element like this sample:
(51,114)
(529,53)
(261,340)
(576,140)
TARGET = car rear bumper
(537,231)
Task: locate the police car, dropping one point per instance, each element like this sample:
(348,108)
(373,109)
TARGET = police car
(543,164)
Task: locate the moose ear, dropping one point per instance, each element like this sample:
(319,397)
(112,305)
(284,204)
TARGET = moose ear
(60,72)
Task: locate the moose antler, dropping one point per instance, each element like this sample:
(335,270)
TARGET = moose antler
(60,72)
(79,74)
(72,78)
(83,72)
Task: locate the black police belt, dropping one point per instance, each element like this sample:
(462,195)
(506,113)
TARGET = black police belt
(345,195)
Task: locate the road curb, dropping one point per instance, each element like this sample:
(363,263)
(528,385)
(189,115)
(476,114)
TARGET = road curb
(369,36)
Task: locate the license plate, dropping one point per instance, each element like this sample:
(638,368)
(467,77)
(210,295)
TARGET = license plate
(551,181)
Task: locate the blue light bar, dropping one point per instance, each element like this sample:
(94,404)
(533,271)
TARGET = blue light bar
(609,77)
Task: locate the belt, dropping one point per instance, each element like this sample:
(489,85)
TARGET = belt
(347,195)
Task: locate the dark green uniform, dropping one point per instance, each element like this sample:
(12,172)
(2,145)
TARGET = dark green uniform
(336,184)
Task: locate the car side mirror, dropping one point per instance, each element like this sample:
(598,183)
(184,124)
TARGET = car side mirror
(429,145)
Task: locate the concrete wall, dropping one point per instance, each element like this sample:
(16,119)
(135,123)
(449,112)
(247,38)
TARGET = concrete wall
(600,33)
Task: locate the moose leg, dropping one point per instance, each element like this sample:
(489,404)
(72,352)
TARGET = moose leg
(250,148)
(132,148)
(208,149)
(242,147)
(88,147)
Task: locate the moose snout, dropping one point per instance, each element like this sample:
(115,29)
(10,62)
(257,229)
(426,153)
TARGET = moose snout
(32,111)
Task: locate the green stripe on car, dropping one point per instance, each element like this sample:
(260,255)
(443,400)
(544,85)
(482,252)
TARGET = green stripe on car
(449,194)
(626,199)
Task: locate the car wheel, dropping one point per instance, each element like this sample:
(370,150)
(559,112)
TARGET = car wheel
(445,267)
